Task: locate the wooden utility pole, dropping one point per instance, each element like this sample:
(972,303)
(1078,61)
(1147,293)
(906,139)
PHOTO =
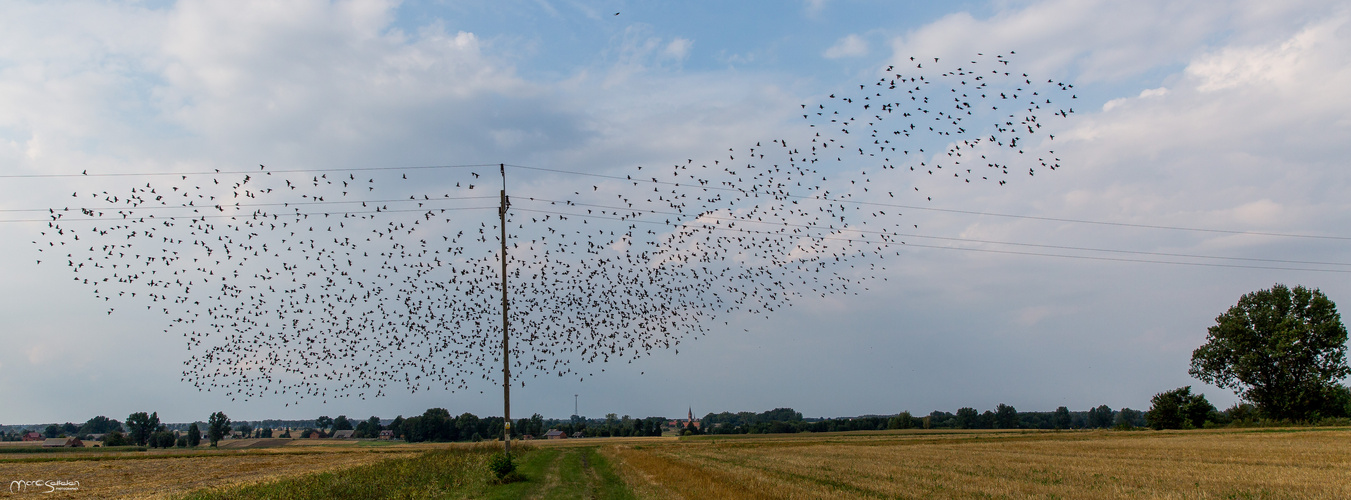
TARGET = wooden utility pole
(506,352)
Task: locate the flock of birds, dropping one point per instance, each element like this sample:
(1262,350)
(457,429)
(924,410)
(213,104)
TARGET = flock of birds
(326,284)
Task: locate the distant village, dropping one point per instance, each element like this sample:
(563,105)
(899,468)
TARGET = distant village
(434,425)
(437,424)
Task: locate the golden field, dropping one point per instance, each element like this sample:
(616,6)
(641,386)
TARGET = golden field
(1262,463)
(166,473)
(1230,463)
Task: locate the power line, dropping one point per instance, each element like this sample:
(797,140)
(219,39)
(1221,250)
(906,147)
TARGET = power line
(1105,223)
(705,187)
(146,218)
(982,250)
(262,170)
(947,210)
(251,205)
(645,211)
(969,240)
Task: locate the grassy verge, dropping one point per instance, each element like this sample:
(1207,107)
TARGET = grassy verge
(38,449)
(170,454)
(459,472)
(533,466)
(450,473)
(584,473)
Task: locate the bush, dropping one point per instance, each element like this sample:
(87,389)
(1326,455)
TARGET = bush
(1179,409)
(1334,422)
(115,438)
(162,439)
(503,467)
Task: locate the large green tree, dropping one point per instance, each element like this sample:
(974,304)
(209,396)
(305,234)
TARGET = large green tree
(1101,417)
(1061,420)
(100,425)
(1282,349)
(217,427)
(342,423)
(1005,417)
(141,426)
(369,428)
(967,418)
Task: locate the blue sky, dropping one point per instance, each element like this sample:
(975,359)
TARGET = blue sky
(1226,116)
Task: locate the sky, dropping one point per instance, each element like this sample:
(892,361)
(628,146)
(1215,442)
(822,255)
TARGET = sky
(1206,158)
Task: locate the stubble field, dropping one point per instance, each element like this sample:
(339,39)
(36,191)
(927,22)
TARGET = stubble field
(973,464)
(1245,463)
(170,473)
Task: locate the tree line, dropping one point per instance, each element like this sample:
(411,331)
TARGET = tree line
(436,424)
(787,420)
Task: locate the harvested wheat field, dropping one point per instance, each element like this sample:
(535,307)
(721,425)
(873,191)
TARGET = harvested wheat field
(1233,463)
(1288,463)
(163,474)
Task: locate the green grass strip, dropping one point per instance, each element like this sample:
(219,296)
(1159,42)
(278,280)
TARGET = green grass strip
(565,473)
(450,473)
(610,485)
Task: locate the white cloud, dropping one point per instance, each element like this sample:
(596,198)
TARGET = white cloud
(1030,316)
(548,8)
(678,49)
(1097,40)
(1112,104)
(1260,213)
(849,46)
(39,354)
(291,77)
(1283,65)
(1256,99)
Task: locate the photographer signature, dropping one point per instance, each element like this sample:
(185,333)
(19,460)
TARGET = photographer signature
(20,486)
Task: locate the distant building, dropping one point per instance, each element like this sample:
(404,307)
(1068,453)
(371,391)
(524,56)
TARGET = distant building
(343,434)
(71,442)
(32,436)
(386,434)
(555,434)
(679,424)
